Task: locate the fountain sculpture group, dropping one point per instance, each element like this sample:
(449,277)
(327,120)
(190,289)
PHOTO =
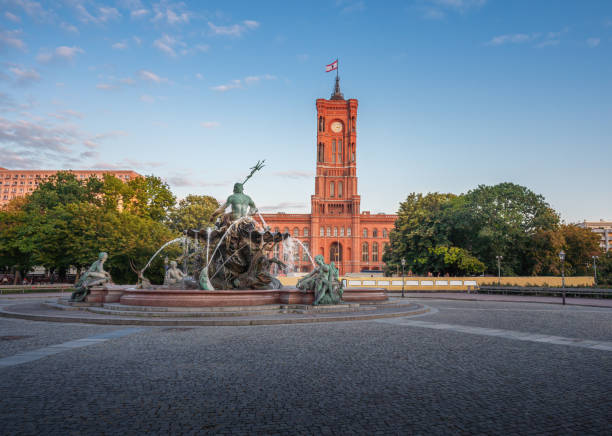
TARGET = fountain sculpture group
(234,255)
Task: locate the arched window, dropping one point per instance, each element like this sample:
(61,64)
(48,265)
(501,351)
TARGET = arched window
(348,231)
(375,233)
(341,231)
(276,250)
(331,189)
(321,231)
(353,152)
(374,251)
(333,150)
(385,234)
(286,230)
(305,232)
(296,232)
(276,229)
(353,123)
(321,152)
(335,231)
(365,233)
(329,231)
(339,189)
(365,256)
(320,124)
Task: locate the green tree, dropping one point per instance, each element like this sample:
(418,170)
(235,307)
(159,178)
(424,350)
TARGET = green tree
(420,227)
(193,212)
(64,188)
(148,196)
(580,245)
(502,220)
(16,248)
(604,269)
(440,232)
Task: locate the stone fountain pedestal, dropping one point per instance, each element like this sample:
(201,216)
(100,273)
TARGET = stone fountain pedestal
(163,297)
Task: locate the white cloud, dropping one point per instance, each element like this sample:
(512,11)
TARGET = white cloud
(168,44)
(226,87)
(210,124)
(548,43)
(147,98)
(67,114)
(516,38)
(37,136)
(101,15)
(593,42)
(12,17)
(281,206)
(171,13)
(199,76)
(120,45)
(137,40)
(127,81)
(249,80)
(63,52)
(10,39)
(438,9)
(24,76)
(139,13)
(294,174)
(106,86)
(69,27)
(351,5)
(151,77)
(234,30)
(32,9)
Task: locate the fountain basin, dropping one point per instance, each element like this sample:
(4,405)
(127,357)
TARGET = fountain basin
(162,297)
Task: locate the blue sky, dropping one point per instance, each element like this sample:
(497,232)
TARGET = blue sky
(452,94)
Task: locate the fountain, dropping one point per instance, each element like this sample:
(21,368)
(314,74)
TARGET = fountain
(233,267)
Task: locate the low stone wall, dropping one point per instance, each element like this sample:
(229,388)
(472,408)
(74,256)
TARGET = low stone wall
(451,283)
(160,297)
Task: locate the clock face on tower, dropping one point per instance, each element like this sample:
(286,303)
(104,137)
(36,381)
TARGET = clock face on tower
(336,127)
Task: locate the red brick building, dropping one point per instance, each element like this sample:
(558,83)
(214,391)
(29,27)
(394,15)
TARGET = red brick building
(19,183)
(336,226)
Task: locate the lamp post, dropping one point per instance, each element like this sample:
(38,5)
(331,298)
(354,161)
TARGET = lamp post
(403,278)
(562,257)
(595,269)
(499,259)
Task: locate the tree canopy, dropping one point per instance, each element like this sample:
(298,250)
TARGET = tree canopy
(464,234)
(67,222)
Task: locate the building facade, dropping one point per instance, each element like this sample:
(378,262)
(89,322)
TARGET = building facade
(603,228)
(19,183)
(336,227)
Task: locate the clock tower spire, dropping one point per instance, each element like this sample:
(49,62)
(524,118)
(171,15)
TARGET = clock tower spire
(336,203)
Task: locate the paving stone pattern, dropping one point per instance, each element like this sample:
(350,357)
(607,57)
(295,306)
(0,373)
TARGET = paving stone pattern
(363,377)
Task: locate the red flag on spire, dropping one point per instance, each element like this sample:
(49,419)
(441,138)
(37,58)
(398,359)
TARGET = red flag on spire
(331,67)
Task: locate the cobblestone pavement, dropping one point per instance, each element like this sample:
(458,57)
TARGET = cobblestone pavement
(367,377)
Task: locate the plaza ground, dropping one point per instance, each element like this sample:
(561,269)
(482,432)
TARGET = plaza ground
(466,367)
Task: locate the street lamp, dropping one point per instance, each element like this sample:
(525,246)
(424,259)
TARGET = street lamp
(562,257)
(403,278)
(595,268)
(499,259)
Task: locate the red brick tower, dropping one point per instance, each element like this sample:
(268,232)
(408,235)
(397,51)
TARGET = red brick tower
(336,227)
(335,204)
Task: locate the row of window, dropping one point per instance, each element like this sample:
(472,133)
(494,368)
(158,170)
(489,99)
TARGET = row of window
(329,231)
(365,255)
(336,152)
(79,176)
